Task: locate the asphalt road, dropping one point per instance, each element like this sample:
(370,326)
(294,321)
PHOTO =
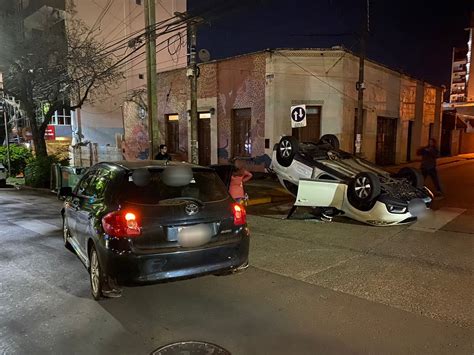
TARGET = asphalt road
(312,287)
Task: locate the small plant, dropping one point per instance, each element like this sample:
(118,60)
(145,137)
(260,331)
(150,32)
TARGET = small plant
(19,157)
(38,170)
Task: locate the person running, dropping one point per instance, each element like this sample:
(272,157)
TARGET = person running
(163,154)
(236,189)
(429,154)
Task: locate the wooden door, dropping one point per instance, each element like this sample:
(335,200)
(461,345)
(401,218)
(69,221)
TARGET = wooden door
(386,141)
(409,139)
(172,133)
(241,138)
(312,131)
(204,138)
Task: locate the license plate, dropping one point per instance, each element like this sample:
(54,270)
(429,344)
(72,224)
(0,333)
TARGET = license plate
(194,236)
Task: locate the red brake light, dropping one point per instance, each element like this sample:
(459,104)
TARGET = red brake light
(240,215)
(121,224)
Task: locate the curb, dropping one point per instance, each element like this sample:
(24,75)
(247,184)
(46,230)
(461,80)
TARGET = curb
(259,201)
(40,189)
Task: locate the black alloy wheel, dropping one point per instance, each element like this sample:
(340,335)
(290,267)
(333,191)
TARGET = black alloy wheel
(331,140)
(286,150)
(365,187)
(95,274)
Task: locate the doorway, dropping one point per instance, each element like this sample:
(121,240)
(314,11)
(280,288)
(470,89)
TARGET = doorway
(409,139)
(312,131)
(172,133)
(204,138)
(241,138)
(386,141)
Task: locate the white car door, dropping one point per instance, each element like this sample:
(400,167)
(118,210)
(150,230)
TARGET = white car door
(321,193)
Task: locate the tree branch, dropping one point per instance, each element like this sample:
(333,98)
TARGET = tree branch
(84,97)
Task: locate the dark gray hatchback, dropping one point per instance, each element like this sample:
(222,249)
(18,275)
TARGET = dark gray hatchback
(135,223)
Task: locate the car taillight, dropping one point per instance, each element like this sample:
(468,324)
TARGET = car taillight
(240,215)
(121,224)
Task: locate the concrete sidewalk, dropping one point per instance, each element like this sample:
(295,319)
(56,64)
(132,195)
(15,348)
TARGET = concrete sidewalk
(440,162)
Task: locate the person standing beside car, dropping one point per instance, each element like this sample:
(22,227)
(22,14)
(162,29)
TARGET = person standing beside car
(237,180)
(429,154)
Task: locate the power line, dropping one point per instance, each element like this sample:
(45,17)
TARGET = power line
(101,15)
(315,76)
(122,22)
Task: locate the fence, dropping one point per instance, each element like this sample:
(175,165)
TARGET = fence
(93,153)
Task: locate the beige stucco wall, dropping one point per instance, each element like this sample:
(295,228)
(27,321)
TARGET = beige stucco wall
(381,98)
(328,78)
(302,77)
(102,119)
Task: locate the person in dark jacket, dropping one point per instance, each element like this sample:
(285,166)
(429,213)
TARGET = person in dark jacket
(163,154)
(429,154)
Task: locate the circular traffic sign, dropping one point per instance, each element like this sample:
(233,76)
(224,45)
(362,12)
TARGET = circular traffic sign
(298,114)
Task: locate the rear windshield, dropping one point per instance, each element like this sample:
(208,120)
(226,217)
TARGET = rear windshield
(205,186)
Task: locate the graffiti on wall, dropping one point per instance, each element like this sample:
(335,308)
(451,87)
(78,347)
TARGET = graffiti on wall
(135,144)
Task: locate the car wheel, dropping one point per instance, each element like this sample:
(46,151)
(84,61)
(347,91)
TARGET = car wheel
(413,176)
(3,182)
(331,140)
(95,275)
(365,187)
(66,235)
(286,150)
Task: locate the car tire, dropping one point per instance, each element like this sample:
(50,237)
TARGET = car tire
(364,188)
(414,176)
(3,183)
(330,139)
(95,274)
(286,150)
(66,235)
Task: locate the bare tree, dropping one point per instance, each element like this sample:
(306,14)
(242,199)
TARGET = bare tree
(60,67)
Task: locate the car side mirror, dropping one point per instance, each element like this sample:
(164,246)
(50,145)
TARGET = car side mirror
(65,191)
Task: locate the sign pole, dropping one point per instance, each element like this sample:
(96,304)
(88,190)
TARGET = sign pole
(7,139)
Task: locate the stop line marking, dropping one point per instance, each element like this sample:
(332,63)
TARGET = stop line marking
(436,219)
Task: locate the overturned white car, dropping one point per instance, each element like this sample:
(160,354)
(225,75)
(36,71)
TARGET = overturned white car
(321,175)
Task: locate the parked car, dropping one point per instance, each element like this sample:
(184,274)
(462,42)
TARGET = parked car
(3,175)
(321,175)
(136,223)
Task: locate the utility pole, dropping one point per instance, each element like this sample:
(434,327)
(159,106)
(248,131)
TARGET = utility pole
(193,75)
(359,123)
(152,99)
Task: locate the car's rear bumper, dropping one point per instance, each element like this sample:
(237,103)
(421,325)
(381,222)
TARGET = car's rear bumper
(131,269)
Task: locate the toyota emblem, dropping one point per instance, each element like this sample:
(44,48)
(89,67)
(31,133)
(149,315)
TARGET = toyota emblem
(191,209)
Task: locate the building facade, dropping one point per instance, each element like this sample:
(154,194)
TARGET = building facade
(96,130)
(458,115)
(113,22)
(459,76)
(244,107)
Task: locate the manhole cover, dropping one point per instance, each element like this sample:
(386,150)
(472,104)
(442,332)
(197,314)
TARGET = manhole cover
(191,348)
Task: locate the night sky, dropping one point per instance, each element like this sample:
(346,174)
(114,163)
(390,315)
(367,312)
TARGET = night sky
(413,36)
